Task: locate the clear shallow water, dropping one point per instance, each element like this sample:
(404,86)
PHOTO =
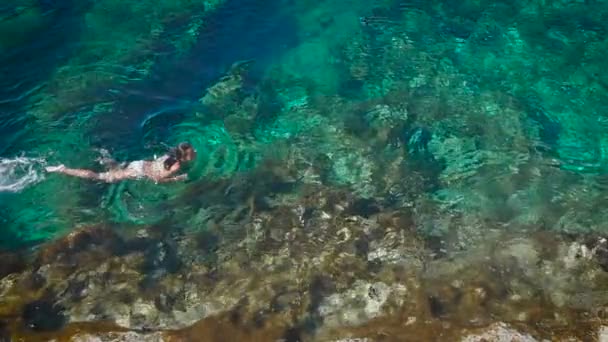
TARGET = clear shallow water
(133,108)
(474,118)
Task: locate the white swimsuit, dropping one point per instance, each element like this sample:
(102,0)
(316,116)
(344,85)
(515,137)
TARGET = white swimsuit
(137,167)
(157,166)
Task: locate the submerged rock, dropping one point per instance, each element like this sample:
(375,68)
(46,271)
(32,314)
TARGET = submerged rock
(119,337)
(43,315)
(11,263)
(602,334)
(80,241)
(321,264)
(360,303)
(499,332)
(5,335)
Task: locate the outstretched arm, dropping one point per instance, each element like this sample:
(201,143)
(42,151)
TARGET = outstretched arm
(173,179)
(111,176)
(82,173)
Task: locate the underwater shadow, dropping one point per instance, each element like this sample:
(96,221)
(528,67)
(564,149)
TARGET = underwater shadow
(239,30)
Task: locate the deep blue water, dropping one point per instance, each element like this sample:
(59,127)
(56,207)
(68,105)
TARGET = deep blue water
(26,65)
(239,30)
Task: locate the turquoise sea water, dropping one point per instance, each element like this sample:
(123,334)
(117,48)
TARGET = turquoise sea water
(474,116)
(492,87)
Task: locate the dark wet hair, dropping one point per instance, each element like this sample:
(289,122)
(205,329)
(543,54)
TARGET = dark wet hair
(169,162)
(178,154)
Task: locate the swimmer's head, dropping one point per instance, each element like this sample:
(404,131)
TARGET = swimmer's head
(170,163)
(185,152)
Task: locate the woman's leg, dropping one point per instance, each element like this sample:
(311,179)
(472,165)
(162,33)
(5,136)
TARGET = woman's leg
(111,176)
(82,173)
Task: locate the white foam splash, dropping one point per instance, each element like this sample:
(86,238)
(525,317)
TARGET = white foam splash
(18,173)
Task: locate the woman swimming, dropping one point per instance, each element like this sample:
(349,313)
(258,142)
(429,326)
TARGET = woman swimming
(160,170)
